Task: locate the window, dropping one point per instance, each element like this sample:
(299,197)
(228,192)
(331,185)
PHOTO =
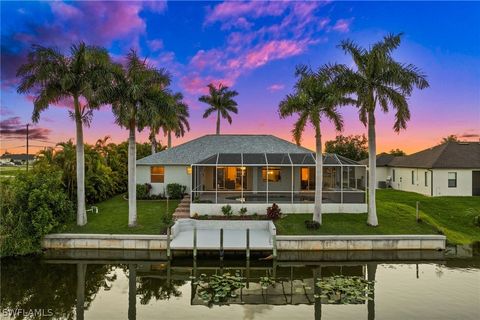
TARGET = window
(452,179)
(426,179)
(157,174)
(273,174)
(307,178)
(393,175)
(189,170)
(413,177)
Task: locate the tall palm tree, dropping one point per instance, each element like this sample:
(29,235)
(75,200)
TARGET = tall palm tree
(221,101)
(379,80)
(52,77)
(179,119)
(176,121)
(315,97)
(137,92)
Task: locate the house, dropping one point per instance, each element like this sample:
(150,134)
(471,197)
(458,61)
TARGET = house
(449,169)
(254,171)
(19,159)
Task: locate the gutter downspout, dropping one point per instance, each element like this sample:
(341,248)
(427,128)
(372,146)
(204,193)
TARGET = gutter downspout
(431,182)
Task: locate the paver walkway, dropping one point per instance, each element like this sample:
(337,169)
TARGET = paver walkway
(183,209)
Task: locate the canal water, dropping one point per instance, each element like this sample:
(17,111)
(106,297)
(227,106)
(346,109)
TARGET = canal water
(63,286)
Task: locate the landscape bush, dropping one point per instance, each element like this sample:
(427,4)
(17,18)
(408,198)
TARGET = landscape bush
(32,205)
(227,210)
(143,191)
(274,212)
(242,211)
(176,190)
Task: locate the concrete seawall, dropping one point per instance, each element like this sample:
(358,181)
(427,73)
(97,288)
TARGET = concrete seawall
(284,243)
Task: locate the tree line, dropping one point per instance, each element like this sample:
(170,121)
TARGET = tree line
(141,98)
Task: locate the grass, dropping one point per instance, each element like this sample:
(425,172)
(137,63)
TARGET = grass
(10,172)
(112,217)
(452,216)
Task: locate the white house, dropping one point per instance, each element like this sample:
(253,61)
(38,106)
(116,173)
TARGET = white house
(254,171)
(450,169)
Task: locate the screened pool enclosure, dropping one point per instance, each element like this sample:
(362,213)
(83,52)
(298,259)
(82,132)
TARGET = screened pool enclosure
(265,178)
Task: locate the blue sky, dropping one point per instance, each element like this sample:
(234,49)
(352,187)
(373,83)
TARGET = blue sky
(253,47)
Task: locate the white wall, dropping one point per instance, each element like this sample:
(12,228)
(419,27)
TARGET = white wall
(261,208)
(403,180)
(382,174)
(464,182)
(173,174)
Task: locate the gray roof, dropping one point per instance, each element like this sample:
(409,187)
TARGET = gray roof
(203,147)
(450,155)
(383,159)
(17,157)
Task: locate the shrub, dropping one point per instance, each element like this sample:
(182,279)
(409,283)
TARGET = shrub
(242,211)
(33,205)
(312,224)
(476,221)
(227,210)
(143,191)
(175,190)
(274,212)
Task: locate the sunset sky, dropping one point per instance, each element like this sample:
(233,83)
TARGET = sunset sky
(252,47)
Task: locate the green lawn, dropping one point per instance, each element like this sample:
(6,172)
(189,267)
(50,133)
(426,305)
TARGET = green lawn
(453,216)
(11,172)
(112,217)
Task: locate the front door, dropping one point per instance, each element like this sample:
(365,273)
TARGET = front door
(475,183)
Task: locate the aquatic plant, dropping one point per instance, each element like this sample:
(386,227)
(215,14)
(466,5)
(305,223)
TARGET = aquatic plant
(265,282)
(218,289)
(343,289)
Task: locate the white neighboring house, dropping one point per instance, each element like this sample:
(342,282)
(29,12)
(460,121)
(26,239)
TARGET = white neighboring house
(18,159)
(254,171)
(449,169)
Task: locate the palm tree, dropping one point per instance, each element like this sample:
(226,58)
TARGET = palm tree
(221,101)
(315,97)
(52,77)
(379,80)
(137,92)
(449,138)
(176,121)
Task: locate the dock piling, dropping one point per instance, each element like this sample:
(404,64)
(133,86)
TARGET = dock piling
(221,243)
(195,242)
(248,244)
(169,232)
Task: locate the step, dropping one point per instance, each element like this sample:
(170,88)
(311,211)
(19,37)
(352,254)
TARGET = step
(182,210)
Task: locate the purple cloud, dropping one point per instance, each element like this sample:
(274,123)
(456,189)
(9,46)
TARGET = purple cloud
(276,87)
(13,128)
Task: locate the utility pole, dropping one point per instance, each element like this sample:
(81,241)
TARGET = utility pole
(27,145)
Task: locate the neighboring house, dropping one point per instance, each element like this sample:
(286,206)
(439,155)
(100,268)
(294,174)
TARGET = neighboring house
(17,158)
(254,171)
(450,169)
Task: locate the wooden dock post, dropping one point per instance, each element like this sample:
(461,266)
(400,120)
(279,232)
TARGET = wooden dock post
(195,242)
(169,232)
(248,244)
(416,211)
(274,243)
(221,243)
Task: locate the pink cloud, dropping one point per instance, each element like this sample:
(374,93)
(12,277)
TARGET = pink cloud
(342,25)
(273,50)
(228,10)
(155,45)
(196,84)
(275,87)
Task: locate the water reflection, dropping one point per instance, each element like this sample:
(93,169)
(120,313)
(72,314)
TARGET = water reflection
(68,287)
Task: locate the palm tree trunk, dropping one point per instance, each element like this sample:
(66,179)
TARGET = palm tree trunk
(132,179)
(80,307)
(153,142)
(372,168)
(132,292)
(80,153)
(218,122)
(317,210)
(169,139)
